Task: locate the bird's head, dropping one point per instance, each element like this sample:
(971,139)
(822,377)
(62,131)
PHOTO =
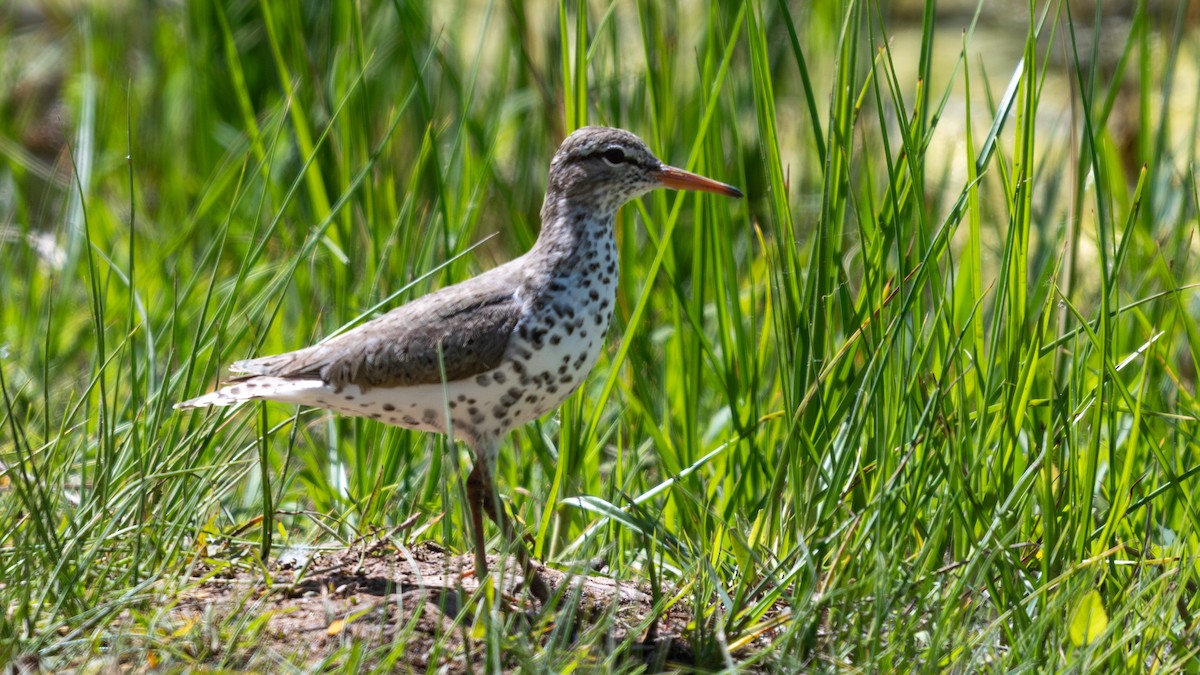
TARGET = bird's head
(612,166)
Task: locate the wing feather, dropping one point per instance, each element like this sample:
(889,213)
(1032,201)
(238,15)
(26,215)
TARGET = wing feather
(461,330)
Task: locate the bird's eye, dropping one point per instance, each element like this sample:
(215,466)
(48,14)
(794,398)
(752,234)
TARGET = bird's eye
(613,156)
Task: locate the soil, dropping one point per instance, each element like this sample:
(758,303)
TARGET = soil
(416,605)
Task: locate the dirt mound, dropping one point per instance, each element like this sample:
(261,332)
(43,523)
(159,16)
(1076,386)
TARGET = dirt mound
(412,608)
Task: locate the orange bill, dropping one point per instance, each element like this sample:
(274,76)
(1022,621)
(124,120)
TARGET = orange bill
(678,179)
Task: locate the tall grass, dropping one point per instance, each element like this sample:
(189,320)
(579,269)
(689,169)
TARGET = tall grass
(925,399)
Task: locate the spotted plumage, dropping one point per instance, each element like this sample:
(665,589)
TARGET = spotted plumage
(481,357)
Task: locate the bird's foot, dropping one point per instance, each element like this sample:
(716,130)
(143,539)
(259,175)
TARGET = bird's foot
(532,578)
(539,587)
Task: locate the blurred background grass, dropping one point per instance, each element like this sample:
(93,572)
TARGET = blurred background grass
(926,397)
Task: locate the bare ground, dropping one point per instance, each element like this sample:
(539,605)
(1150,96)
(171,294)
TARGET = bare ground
(412,609)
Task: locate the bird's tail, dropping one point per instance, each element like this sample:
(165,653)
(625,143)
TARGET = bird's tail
(255,388)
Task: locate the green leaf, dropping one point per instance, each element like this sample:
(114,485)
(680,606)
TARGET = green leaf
(1089,620)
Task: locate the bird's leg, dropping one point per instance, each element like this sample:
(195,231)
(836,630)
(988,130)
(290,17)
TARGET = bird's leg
(479,498)
(481,490)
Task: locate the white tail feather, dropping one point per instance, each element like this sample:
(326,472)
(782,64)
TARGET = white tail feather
(258,389)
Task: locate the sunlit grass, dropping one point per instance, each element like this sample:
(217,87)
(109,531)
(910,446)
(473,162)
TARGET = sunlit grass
(926,398)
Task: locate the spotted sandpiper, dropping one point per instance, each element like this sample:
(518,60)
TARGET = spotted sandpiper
(476,359)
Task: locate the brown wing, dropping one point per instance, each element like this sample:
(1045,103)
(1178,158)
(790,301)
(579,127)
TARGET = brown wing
(468,324)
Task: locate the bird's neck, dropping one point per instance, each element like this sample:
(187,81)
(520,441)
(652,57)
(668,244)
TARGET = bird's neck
(573,234)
